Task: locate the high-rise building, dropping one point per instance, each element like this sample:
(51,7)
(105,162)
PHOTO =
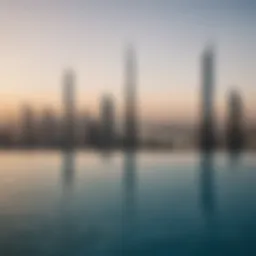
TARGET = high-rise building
(107,122)
(131,128)
(28,127)
(235,138)
(6,134)
(48,135)
(207,129)
(93,133)
(69,109)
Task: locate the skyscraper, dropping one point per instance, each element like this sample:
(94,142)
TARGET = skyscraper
(69,110)
(107,122)
(207,133)
(235,138)
(28,127)
(131,129)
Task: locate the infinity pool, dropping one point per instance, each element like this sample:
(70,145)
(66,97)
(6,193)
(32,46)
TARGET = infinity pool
(89,203)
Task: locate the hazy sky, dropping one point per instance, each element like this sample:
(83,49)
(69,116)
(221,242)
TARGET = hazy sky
(41,38)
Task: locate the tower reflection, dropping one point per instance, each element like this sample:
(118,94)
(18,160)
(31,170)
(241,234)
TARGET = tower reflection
(207,185)
(130,193)
(68,170)
(235,160)
(67,225)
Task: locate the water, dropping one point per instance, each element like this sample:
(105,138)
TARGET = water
(54,203)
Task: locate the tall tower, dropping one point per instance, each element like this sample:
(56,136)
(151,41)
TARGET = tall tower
(130,135)
(107,122)
(69,110)
(235,136)
(207,133)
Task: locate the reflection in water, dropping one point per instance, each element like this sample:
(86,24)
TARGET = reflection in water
(130,187)
(68,170)
(207,185)
(67,223)
(76,237)
(86,217)
(234,160)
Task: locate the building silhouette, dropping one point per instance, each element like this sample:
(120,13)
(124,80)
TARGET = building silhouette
(207,131)
(130,129)
(69,110)
(235,135)
(93,134)
(48,127)
(6,135)
(107,122)
(81,124)
(28,127)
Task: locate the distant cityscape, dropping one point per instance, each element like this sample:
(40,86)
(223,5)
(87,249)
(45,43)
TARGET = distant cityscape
(72,130)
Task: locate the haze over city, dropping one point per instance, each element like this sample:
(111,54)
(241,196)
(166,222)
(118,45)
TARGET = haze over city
(41,39)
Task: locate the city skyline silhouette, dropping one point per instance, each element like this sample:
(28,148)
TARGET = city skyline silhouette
(69,130)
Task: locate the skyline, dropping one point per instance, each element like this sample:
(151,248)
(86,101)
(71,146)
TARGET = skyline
(72,130)
(91,38)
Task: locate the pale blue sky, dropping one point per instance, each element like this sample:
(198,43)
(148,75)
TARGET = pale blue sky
(39,39)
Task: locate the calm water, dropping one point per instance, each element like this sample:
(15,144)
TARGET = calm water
(53,203)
